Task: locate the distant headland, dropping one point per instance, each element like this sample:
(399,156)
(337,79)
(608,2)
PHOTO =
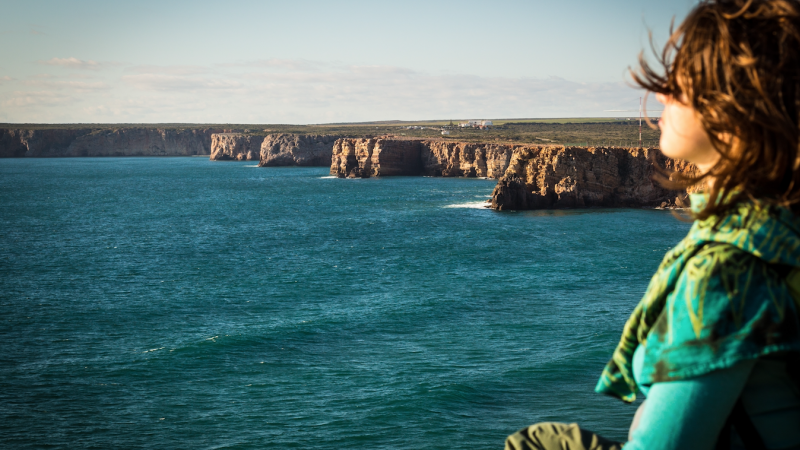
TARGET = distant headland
(539,163)
(183,139)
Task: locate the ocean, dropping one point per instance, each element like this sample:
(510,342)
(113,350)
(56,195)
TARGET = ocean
(188,303)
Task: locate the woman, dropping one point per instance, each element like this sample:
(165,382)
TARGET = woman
(714,343)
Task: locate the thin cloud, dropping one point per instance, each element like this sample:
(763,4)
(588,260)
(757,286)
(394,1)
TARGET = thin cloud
(381,71)
(72,63)
(37,98)
(81,76)
(289,91)
(158,82)
(76,86)
(169,70)
(280,64)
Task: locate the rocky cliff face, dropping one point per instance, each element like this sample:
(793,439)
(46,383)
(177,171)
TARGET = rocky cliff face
(296,150)
(578,177)
(371,157)
(105,142)
(389,156)
(530,177)
(235,146)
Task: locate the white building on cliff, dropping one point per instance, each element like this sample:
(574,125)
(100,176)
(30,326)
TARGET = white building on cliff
(476,124)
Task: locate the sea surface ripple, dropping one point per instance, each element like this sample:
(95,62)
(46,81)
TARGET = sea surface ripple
(185,303)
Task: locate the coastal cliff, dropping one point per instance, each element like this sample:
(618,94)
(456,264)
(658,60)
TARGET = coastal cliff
(369,157)
(297,150)
(281,149)
(461,159)
(104,142)
(530,177)
(577,177)
(235,146)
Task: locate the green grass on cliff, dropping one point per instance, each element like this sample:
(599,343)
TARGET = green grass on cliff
(585,131)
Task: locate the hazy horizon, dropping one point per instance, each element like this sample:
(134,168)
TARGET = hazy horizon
(322,63)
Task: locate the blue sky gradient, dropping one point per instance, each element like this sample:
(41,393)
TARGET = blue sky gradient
(321,62)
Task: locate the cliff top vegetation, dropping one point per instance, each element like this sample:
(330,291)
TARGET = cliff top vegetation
(580,131)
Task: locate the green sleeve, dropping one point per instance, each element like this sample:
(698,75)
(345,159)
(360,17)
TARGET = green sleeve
(689,413)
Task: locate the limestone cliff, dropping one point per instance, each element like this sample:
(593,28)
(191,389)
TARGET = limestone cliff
(296,150)
(530,177)
(104,142)
(235,146)
(461,159)
(372,157)
(577,177)
(392,156)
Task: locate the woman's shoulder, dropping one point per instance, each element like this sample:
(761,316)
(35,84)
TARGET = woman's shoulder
(718,266)
(727,305)
(724,289)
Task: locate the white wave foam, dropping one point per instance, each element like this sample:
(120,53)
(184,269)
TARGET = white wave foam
(253,166)
(329,176)
(471,205)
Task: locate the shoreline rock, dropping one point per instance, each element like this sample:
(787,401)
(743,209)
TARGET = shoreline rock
(554,177)
(296,150)
(385,156)
(272,150)
(235,146)
(529,176)
(374,157)
(54,143)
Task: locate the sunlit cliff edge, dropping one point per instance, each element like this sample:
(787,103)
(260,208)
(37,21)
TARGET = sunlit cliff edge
(529,177)
(280,149)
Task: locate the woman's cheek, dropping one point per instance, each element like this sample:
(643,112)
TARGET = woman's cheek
(683,135)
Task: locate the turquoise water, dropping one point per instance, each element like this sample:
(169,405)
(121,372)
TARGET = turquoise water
(184,303)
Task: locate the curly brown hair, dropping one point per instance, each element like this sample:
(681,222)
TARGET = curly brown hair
(737,63)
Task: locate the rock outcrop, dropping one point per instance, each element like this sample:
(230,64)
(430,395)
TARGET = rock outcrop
(461,159)
(530,177)
(369,157)
(274,149)
(372,157)
(235,146)
(105,142)
(577,177)
(297,150)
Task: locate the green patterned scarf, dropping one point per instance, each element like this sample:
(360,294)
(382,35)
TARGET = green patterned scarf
(719,297)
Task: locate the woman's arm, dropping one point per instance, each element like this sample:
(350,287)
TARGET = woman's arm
(689,413)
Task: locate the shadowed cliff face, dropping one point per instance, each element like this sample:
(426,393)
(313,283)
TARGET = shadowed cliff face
(460,159)
(297,150)
(361,158)
(579,177)
(530,177)
(235,146)
(364,158)
(274,149)
(105,142)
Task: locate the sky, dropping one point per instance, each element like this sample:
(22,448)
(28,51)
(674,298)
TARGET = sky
(310,62)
